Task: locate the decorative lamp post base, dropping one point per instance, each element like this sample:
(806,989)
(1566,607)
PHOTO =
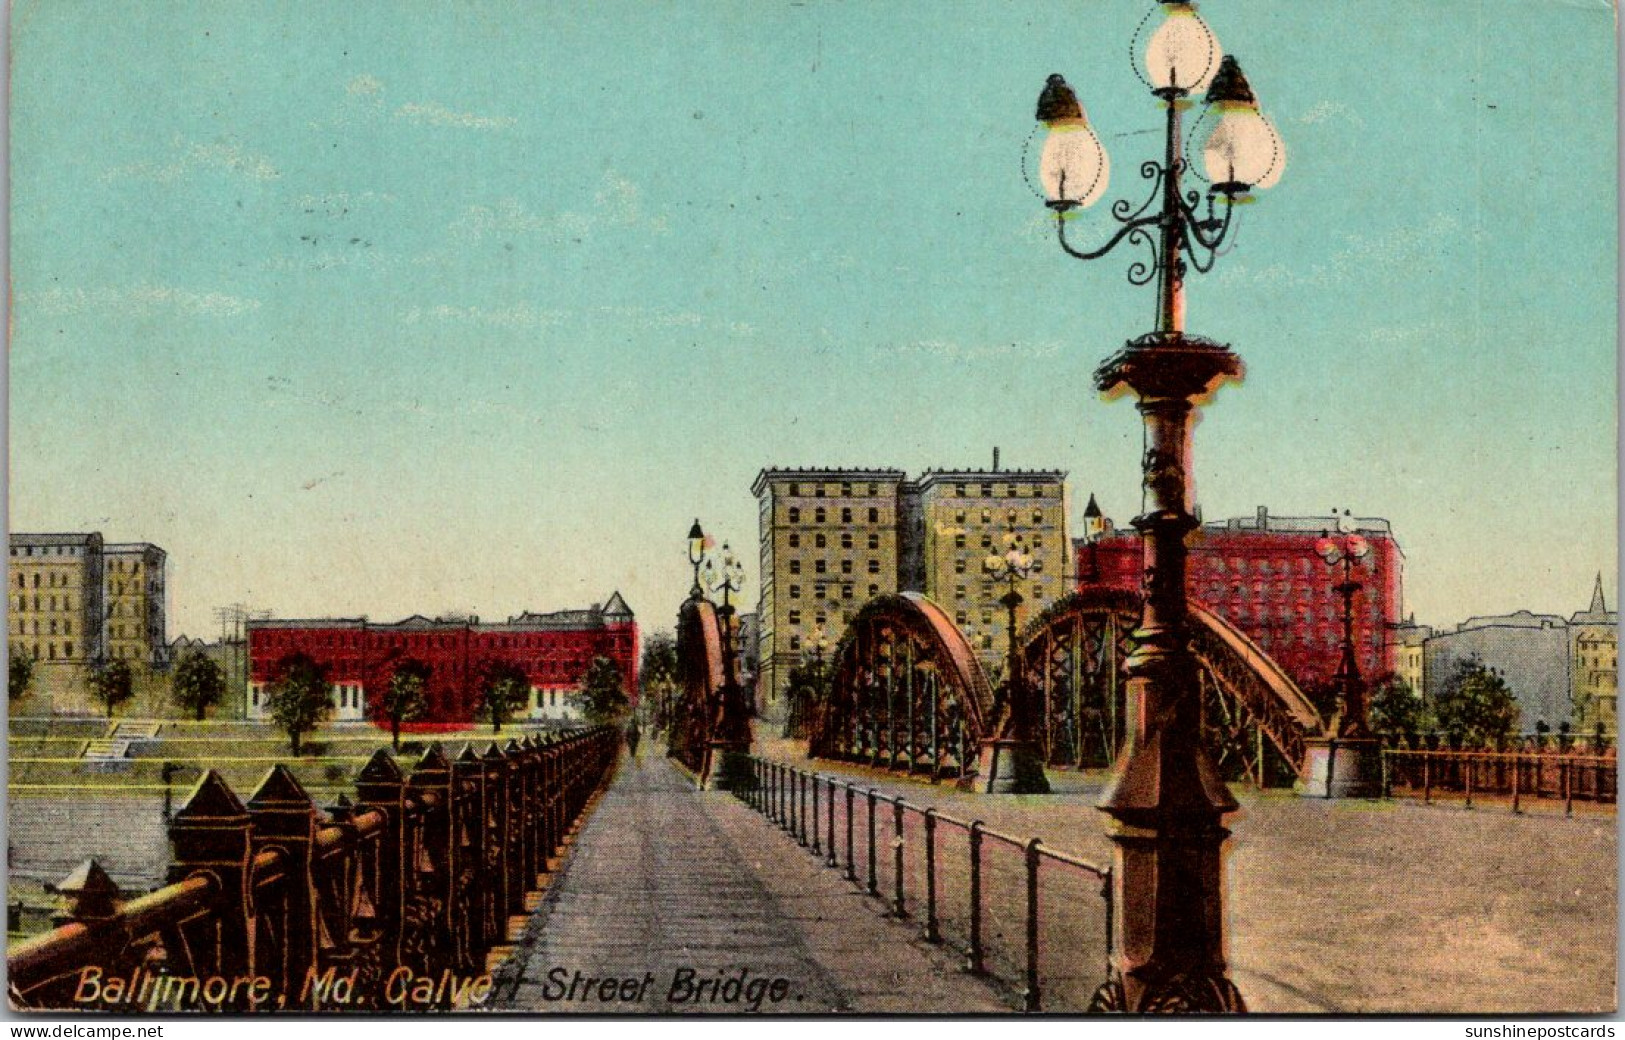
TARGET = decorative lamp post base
(1008,766)
(727,767)
(1343,767)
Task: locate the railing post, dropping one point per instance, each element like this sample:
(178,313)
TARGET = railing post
(975,965)
(1427,778)
(1387,779)
(472,837)
(933,930)
(284,817)
(829,842)
(1107,891)
(816,818)
(874,875)
(435,860)
(899,908)
(1568,790)
(801,815)
(851,865)
(210,832)
(1517,785)
(1468,763)
(1031,999)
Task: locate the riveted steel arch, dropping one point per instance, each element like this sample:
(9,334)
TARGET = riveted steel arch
(1075,651)
(700,668)
(906,692)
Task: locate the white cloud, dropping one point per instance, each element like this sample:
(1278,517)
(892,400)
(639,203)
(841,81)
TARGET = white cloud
(518,316)
(141,300)
(439,115)
(224,156)
(617,203)
(365,86)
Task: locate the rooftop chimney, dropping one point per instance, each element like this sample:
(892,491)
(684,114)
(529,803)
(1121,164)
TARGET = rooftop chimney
(995,459)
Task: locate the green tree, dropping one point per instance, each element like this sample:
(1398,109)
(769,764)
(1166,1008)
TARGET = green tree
(300,698)
(1395,709)
(503,691)
(657,679)
(602,697)
(1476,706)
(20,677)
(404,700)
(113,683)
(807,687)
(198,683)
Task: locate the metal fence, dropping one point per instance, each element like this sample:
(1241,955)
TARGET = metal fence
(274,904)
(1513,777)
(1029,915)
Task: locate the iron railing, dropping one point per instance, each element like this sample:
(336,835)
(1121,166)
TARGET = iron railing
(1515,777)
(977,888)
(278,905)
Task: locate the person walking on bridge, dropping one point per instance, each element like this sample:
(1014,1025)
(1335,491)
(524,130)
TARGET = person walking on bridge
(632,737)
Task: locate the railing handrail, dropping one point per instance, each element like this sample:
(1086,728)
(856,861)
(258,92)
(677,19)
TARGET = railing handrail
(1546,756)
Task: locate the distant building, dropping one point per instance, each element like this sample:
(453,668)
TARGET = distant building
(833,539)
(1263,574)
(55,601)
(134,593)
(1410,656)
(966,516)
(1529,651)
(1594,666)
(829,543)
(747,656)
(553,650)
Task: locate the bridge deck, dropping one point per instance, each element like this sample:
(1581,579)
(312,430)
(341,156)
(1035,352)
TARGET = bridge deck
(666,880)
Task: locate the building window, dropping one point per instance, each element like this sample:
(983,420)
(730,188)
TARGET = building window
(795,540)
(846,541)
(846,591)
(874,515)
(959,618)
(67,649)
(987,541)
(795,617)
(846,490)
(846,566)
(846,514)
(959,491)
(795,515)
(819,566)
(987,490)
(1038,516)
(987,516)
(795,489)
(874,566)
(874,590)
(795,566)
(819,541)
(959,565)
(874,541)
(818,592)
(818,491)
(818,515)
(959,592)
(959,541)
(795,642)
(795,592)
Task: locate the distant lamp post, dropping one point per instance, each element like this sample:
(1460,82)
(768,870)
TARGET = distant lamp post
(1347,762)
(1094,529)
(1011,762)
(1166,800)
(696,556)
(727,752)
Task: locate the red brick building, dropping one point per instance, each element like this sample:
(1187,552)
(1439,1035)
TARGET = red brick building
(360,656)
(1263,575)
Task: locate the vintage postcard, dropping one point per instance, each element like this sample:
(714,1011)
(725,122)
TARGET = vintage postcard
(1054,508)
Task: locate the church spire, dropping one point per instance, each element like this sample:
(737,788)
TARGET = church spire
(1597,604)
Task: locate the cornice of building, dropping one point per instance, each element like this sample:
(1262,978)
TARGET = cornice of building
(778,473)
(31,539)
(991,476)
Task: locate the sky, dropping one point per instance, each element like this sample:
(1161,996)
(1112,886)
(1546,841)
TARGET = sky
(387,308)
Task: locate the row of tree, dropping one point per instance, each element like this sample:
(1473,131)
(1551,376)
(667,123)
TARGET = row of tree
(1474,707)
(300,699)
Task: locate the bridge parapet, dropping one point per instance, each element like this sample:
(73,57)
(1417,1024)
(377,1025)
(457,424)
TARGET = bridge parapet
(396,901)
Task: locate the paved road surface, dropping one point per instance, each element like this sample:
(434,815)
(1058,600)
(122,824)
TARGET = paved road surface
(668,887)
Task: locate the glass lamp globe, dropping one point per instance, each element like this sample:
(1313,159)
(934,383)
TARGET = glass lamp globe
(1073,167)
(1242,149)
(1182,54)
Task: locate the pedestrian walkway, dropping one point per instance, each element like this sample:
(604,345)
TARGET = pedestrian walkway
(676,900)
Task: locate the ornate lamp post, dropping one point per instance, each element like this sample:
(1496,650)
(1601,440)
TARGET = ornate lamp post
(725,757)
(1346,764)
(1010,760)
(1166,800)
(696,555)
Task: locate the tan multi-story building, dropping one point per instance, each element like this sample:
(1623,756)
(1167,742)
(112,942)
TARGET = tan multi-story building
(55,600)
(829,544)
(134,593)
(1410,654)
(1594,666)
(833,539)
(967,515)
